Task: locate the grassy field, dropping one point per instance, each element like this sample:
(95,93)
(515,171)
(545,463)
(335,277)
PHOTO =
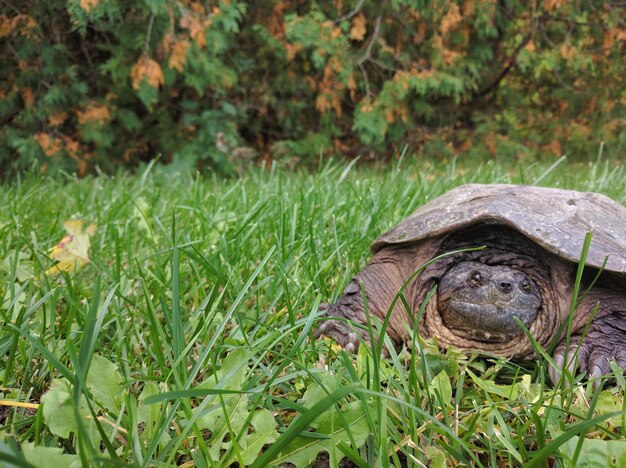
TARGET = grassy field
(188,338)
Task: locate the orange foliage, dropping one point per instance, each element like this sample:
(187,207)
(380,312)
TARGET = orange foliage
(276,21)
(451,19)
(22,25)
(89,5)
(148,70)
(93,113)
(358,29)
(57,119)
(178,58)
(6,27)
(196,28)
(555,147)
(567,51)
(468,7)
(28,96)
(550,5)
(49,144)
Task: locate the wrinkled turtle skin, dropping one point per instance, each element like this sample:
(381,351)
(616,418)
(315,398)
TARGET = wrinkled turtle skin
(533,238)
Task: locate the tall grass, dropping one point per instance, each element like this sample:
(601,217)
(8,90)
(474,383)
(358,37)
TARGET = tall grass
(188,339)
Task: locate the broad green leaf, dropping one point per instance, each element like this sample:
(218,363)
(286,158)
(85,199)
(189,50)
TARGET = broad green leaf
(23,265)
(595,453)
(529,391)
(331,429)
(14,302)
(220,420)
(225,415)
(105,382)
(231,374)
(57,409)
(505,391)
(440,388)
(264,433)
(50,457)
(315,392)
(436,456)
(611,403)
(149,415)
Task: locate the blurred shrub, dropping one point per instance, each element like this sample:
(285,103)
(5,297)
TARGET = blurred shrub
(224,83)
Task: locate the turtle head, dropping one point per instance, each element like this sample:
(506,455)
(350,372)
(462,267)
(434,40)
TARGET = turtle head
(479,301)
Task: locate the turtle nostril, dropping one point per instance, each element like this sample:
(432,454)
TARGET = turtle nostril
(505,286)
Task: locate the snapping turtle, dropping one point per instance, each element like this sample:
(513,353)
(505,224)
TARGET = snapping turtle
(533,238)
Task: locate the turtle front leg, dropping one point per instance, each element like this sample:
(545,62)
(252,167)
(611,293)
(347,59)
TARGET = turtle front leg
(350,308)
(379,283)
(605,341)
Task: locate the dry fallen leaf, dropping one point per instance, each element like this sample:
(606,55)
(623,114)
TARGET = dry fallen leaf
(73,250)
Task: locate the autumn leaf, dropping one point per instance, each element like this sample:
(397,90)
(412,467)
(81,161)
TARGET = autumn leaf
(550,5)
(146,69)
(89,5)
(358,30)
(196,28)
(28,96)
(93,113)
(530,47)
(57,119)
(6,27)
(468,7)
(179,55)
(72,252)
(555,147)
(567,51)
(49,144)
(451,19)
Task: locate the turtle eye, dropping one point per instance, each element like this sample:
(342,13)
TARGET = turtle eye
(476,279)
(525,285)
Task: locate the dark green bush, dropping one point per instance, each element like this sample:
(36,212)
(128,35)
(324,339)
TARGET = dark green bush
(224,83)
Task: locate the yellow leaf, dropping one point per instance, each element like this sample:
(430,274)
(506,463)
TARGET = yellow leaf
(73,251)
(357,32)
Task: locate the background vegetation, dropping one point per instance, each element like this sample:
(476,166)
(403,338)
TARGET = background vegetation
(188,338)
(103,83)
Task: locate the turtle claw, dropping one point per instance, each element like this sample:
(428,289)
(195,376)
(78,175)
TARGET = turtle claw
(341,331)
(605,342)
(555,373)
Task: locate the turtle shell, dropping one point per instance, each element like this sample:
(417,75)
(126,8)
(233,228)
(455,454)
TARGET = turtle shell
(555,219)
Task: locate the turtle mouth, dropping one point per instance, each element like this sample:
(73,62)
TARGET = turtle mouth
(486,321)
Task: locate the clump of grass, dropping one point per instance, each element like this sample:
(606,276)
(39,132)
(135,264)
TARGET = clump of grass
(188,339)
